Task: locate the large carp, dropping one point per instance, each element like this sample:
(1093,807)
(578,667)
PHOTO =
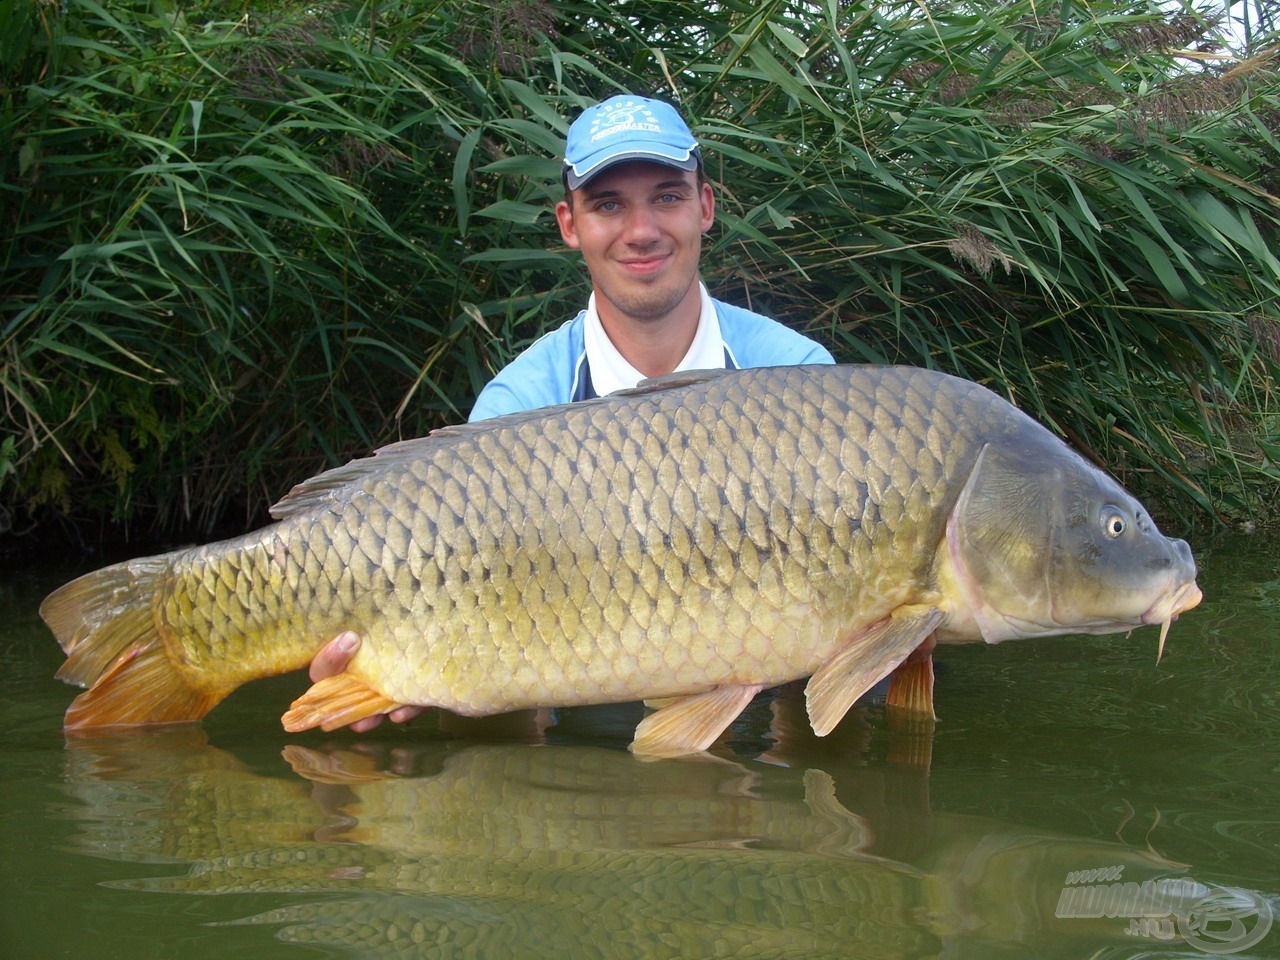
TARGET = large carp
(690,542)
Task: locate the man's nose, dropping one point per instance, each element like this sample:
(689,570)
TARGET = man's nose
(641,225)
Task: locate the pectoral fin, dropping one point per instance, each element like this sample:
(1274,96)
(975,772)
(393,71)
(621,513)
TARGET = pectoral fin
(691,724)
(909,714)
(911,688)
(863,662)
(335,702)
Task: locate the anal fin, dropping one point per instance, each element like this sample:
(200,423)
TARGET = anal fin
(863,662)
(690,724)
(335,702)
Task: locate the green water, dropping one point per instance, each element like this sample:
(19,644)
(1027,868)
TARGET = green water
(1051,758)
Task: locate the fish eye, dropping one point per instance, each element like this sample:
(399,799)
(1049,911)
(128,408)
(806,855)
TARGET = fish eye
(1114,523)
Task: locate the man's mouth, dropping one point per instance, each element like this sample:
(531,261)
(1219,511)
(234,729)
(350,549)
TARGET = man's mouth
(643,264)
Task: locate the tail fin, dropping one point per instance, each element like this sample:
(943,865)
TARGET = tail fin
(105,623)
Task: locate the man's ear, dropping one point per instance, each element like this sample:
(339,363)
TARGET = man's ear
(707,198)
(568,229)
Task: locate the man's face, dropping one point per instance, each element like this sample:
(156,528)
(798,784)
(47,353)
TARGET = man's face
(639,226)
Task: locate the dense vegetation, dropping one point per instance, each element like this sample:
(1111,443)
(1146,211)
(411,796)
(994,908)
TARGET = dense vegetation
(244,241)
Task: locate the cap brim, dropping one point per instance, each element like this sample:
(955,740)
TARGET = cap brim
(576,176)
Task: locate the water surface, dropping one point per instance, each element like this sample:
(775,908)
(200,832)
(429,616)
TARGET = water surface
(1052,758)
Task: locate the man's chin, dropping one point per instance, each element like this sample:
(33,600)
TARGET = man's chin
(647,302)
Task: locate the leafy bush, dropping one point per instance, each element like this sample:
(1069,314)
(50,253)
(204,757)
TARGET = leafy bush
(246,245)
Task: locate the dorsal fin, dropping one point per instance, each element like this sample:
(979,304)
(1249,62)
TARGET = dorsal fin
(672,381)
(324,487)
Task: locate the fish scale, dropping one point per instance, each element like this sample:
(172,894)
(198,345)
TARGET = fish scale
(700,538)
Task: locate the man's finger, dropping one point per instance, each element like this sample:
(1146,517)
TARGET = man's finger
(405,714)
(334,656)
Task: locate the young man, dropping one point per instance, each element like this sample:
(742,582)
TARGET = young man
(636,206)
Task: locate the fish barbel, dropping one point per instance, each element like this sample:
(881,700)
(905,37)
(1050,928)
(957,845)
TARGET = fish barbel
(690,542)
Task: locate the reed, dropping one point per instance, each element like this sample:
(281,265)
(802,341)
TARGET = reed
(245,242)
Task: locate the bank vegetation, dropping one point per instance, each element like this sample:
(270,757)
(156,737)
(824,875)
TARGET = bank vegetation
(244,241)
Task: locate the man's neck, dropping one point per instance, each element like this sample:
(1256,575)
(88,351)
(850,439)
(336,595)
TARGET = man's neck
(656,346)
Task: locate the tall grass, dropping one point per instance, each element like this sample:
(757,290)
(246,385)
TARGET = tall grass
(244,242)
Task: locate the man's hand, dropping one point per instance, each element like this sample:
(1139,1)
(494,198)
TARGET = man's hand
(333,659)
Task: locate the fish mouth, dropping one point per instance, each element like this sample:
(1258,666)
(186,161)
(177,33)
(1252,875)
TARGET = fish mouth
(1167,608)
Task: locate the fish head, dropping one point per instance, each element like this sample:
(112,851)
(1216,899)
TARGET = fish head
(1040,542)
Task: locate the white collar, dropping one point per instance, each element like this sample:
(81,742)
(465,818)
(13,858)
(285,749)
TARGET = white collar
(611,371)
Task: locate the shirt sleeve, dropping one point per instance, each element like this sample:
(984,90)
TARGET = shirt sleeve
(814,353)
(758,341)
(541,376)
(495,400)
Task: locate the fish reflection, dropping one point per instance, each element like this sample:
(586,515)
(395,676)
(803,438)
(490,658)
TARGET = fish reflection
(512,849)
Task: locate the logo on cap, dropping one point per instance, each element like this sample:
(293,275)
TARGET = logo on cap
(627,116)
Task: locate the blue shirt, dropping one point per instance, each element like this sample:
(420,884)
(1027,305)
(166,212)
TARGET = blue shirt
(553,369)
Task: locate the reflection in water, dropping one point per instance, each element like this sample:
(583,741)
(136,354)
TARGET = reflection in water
(533,850)
(556,842)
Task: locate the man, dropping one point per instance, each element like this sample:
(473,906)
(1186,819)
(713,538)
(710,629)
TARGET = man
(636,206)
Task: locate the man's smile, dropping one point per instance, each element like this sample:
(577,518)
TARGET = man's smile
(644,265)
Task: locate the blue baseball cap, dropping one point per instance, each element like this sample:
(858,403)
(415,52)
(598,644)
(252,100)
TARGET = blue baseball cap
(627,127)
